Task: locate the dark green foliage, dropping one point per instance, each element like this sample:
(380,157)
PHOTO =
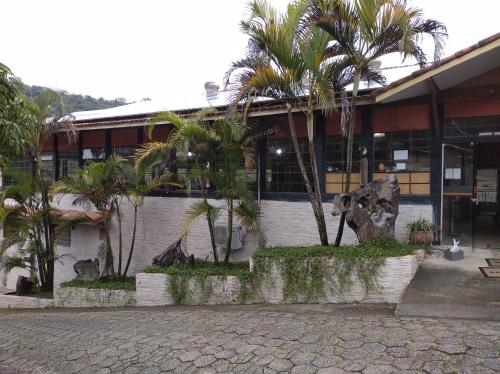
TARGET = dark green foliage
(380,247)
(73,102)
(203,269)
(304,269)
(127,284)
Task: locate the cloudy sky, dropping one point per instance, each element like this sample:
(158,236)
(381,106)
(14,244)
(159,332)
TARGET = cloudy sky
(162,49)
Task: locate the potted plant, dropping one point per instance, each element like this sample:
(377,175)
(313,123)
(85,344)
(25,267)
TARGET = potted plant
(421,232)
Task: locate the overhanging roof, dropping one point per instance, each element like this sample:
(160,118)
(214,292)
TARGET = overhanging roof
(460,67)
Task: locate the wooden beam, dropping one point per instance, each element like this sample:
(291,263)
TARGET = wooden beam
(435,96)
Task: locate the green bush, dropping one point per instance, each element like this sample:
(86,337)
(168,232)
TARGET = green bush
(380,247)
(204,269)
(128,284)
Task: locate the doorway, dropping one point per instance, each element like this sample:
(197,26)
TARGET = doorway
(471,194)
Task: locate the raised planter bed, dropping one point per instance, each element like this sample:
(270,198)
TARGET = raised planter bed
(24,302)
(89,297)
(277,279)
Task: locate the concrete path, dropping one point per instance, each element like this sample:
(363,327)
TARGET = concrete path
(456,289)
(240,339)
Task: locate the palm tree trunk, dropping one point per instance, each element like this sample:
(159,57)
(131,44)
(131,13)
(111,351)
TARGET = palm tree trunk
(108,259)
(212,236)
(229,229)
(350,139)
(323,234)
(320,219)
(120,240)
(132,244)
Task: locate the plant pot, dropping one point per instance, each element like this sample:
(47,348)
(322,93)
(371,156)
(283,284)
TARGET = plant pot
(423,237)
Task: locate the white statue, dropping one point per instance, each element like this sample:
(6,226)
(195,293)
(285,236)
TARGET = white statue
(455,246)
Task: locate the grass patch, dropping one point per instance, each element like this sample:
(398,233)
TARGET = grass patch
(128,284)
(203,269)
(42,294)
(380,247)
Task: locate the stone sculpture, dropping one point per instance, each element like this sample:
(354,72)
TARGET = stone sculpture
(87,270)
(23,285)
(370,210)
(173,254)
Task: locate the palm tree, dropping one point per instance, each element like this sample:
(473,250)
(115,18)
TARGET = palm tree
(220,151)
(12,111)
(292,66)
(40,119)
(137,182)
(97,186)
(363,31)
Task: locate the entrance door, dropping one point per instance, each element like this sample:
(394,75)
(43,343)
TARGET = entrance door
(458,194)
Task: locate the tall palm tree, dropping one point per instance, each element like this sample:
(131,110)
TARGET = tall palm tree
(96,186)
(137,182)
(363,31)
(40,119)
(295,68)
(12,110)
(220,150)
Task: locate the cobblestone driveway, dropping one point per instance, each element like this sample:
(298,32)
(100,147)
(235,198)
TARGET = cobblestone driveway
(240,340)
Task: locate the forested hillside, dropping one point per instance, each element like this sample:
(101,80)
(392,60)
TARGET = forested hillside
(75,103)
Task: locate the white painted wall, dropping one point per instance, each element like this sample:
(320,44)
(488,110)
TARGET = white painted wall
(160,223)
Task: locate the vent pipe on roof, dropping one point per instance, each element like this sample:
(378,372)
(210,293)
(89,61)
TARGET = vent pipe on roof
(211,91)
(376,67)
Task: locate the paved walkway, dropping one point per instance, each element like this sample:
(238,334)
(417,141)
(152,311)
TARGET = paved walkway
(297,339)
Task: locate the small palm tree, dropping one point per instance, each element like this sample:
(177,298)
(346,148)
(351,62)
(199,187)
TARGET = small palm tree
(220,151)
(365,30)
(97,186)
(137,181)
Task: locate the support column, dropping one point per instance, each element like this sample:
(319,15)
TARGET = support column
(437,169)
(80,149)
(319,144)
(261,163)
(140,135)
(107,146)
(57,162)
(367,137)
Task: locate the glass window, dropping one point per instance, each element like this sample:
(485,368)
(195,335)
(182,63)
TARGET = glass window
(472,127)
(68,162)
(64,238)
(48,165)
(401,151)
(125,152)
(93,155)
(336,153)
(18,165)
(282,168)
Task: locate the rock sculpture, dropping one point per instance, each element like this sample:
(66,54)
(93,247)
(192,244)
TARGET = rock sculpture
(173,254)
(23,285)
(372,209)
(87,270)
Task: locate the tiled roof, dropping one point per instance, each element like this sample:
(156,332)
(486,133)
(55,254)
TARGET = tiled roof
(437,64)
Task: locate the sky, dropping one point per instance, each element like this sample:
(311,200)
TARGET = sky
(163,49)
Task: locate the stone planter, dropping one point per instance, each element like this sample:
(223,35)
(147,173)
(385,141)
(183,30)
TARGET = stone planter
(85,297)
(24,302)
(162,289)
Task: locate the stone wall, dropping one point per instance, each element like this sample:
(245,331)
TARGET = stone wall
(154,289)
(24,302)
(393,277)
(160,223)
(84,297)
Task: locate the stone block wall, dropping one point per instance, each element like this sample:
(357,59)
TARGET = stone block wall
(393,277)
(24,302)
(154,289)
(84,297)
(160,223)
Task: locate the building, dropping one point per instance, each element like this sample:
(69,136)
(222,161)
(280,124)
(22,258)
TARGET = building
(437,129)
